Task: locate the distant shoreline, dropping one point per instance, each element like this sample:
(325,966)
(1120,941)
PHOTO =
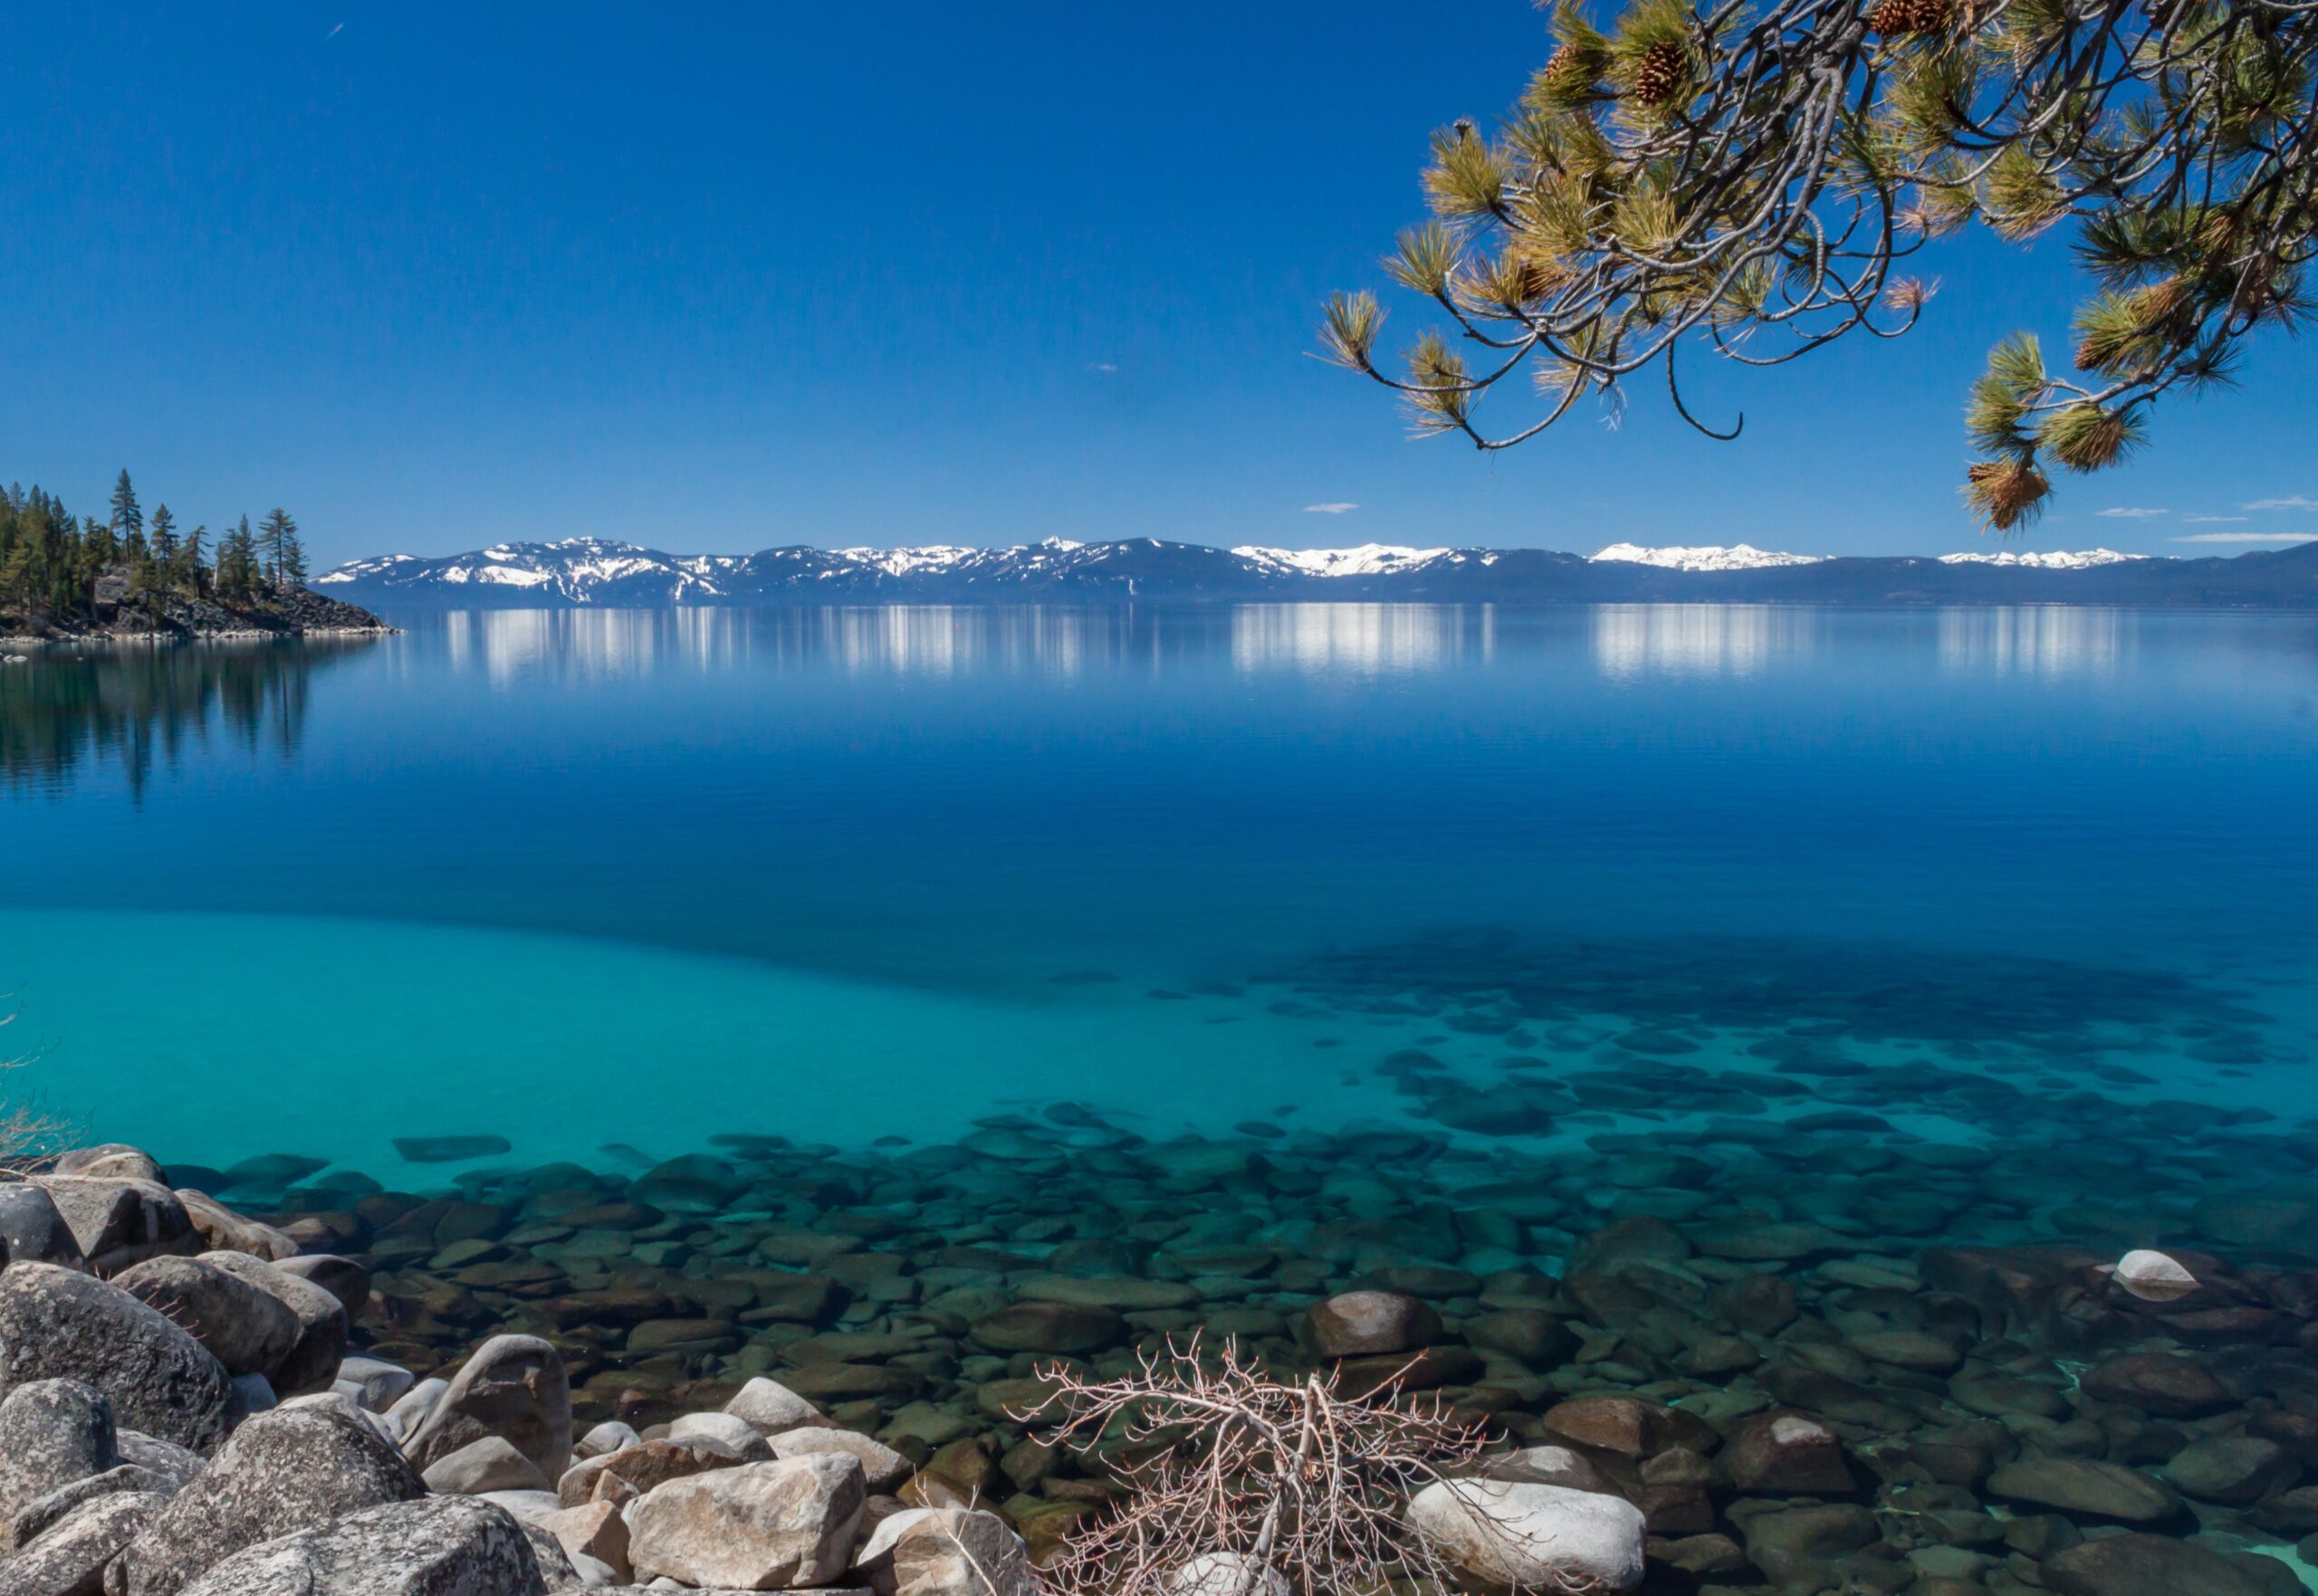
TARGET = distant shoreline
(595,573)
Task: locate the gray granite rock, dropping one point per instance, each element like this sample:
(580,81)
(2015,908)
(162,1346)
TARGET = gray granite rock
(52,1433)
(514,1387)
(34,1518)
(58,1324)
(311,1361)
(437,1546)
(759,1526)
(280,1473)
(69,1558)
(120,1221)
(174,1464)
(245,1329)
(33,1230)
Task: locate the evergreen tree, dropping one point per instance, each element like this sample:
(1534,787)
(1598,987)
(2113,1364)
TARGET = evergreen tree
(164,539)
(193,572)
(285,556)
(127,520)
(238,564)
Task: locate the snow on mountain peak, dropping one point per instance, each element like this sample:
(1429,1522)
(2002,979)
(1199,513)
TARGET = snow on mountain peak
(2044,559)
(1736,557)
(1367,560)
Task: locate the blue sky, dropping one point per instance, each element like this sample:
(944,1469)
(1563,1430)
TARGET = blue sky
(719,278)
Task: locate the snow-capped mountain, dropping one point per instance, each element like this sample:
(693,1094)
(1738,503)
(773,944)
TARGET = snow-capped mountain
(584,572)
(1734,557)
(2044,560)
(1367,560)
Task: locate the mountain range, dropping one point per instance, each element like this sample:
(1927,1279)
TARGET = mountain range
(577,572)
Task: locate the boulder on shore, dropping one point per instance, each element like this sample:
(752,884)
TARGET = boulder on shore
(293,1469)
(762,1527)
(438,1546)
(58,1324)
(513,1386)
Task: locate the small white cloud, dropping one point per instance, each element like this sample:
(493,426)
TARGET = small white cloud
(2209,520)
(2121,513)
(335,31)
(2247,537)
(1328,509)
(2296,503)
(1100,366)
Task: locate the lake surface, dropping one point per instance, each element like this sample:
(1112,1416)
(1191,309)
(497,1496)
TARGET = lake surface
(1743,1013)
(606,883)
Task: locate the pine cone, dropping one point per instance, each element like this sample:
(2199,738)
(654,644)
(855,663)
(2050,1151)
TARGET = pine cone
(1897,19)
(1565,66)
(1661,74)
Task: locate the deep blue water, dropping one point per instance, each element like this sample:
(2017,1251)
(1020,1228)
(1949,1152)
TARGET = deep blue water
(631,879)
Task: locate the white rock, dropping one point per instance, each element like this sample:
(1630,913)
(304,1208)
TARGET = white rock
(883,1468)
(2154,1277)
(411,1409)
(1549,1466)
(525,1506)
(375,1383)
(762,1527)
(1540,1537)
(482,1466)
(733,1430)
(771,1407)
(609,1437)
(1226,1573)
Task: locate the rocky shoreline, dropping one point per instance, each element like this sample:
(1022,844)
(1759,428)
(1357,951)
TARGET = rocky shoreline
(297,613)
(1812,1357)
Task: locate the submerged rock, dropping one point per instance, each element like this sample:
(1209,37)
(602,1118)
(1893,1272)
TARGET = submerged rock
(1534,1536)
(1361,1324)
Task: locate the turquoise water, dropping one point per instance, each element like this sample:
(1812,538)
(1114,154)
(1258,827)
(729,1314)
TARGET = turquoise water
(609,884)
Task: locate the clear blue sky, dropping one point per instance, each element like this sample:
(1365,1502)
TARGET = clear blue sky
(718,278)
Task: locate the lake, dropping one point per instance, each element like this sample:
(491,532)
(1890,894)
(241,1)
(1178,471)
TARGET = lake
(1752,1028)
(608,882)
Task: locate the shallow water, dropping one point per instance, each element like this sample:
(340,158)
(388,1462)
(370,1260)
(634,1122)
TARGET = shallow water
(622,880)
